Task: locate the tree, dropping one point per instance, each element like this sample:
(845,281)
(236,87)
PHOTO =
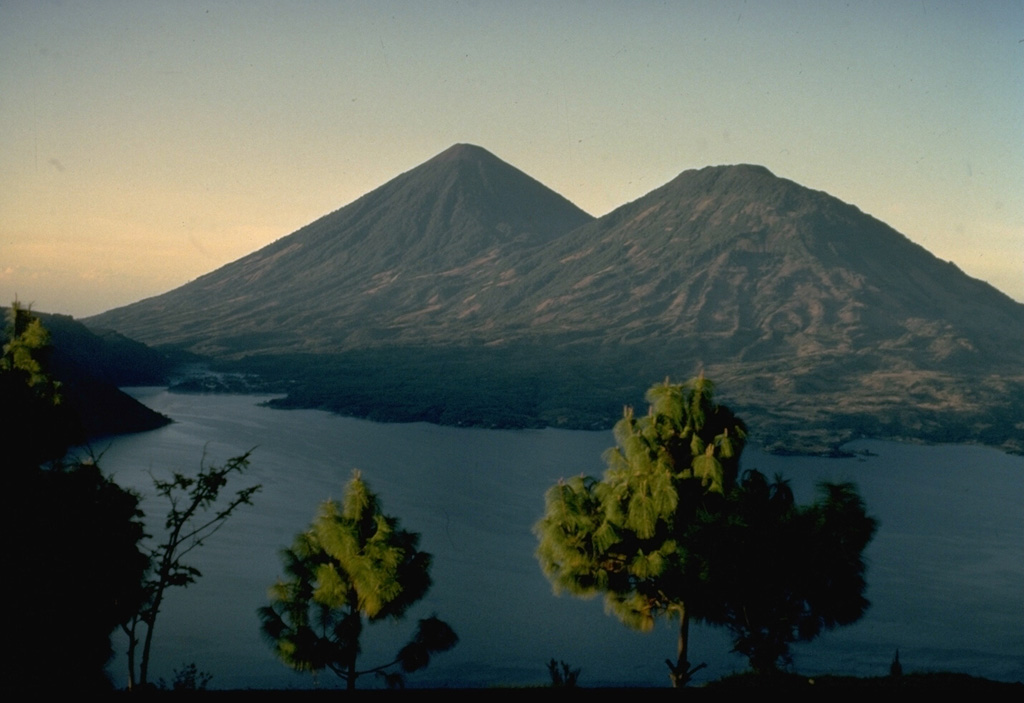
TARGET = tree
(628,535)
(26,351)
(782,572)
(353,563)
(38,424)
(75,567)
(188,525)
(71,534)
(563,675)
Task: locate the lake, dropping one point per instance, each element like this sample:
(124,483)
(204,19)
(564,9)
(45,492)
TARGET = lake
(945,574)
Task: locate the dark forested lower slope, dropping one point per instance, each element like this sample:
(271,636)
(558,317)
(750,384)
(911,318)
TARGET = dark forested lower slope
(465,292)
(91,366)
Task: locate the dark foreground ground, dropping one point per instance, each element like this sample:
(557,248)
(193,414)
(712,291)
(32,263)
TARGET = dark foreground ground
(957,687)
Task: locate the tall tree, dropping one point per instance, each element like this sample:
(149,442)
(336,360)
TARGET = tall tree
(628,535)
(783,572)
(196,512)
(354,563)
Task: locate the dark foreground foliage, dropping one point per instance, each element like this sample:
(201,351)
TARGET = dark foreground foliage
(70,533)
(949,684)
(794,686)
(72,545)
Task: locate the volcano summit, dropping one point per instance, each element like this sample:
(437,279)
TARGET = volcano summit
(465,292)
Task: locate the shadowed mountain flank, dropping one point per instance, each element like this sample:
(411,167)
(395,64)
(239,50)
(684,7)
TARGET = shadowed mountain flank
(90,367)
(465,292)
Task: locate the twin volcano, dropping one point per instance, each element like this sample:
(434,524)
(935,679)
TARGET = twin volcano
(464,291)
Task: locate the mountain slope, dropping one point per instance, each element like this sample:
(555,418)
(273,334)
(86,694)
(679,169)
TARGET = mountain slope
(757,266)
(463,291)
(820,320)
(363,274)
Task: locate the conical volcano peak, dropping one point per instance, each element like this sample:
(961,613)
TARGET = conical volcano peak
(464,152)
(468,182)
(401,254)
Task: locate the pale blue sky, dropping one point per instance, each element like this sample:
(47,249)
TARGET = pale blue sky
(146,143)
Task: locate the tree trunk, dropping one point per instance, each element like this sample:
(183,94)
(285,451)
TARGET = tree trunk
(133,642)
(144,664)
(150,619)
(680,672)
(354,631)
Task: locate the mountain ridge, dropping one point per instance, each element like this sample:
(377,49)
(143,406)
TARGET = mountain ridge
(747,236)
(824,321)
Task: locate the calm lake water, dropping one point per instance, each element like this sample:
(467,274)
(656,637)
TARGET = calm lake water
(946,569)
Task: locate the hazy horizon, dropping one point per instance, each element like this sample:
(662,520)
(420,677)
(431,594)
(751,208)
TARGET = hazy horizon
(147,144)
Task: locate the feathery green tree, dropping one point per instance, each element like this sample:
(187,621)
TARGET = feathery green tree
(628,536)
(354,563)
(25,351)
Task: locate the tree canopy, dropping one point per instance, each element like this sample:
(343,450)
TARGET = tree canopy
(672,531)
(784,572)
(353,564)
(627,536)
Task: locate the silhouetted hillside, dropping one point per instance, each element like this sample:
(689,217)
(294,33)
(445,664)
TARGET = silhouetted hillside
(90,366)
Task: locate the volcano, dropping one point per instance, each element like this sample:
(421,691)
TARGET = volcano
(466,292)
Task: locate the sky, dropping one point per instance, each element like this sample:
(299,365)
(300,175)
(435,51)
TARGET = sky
(143,144)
